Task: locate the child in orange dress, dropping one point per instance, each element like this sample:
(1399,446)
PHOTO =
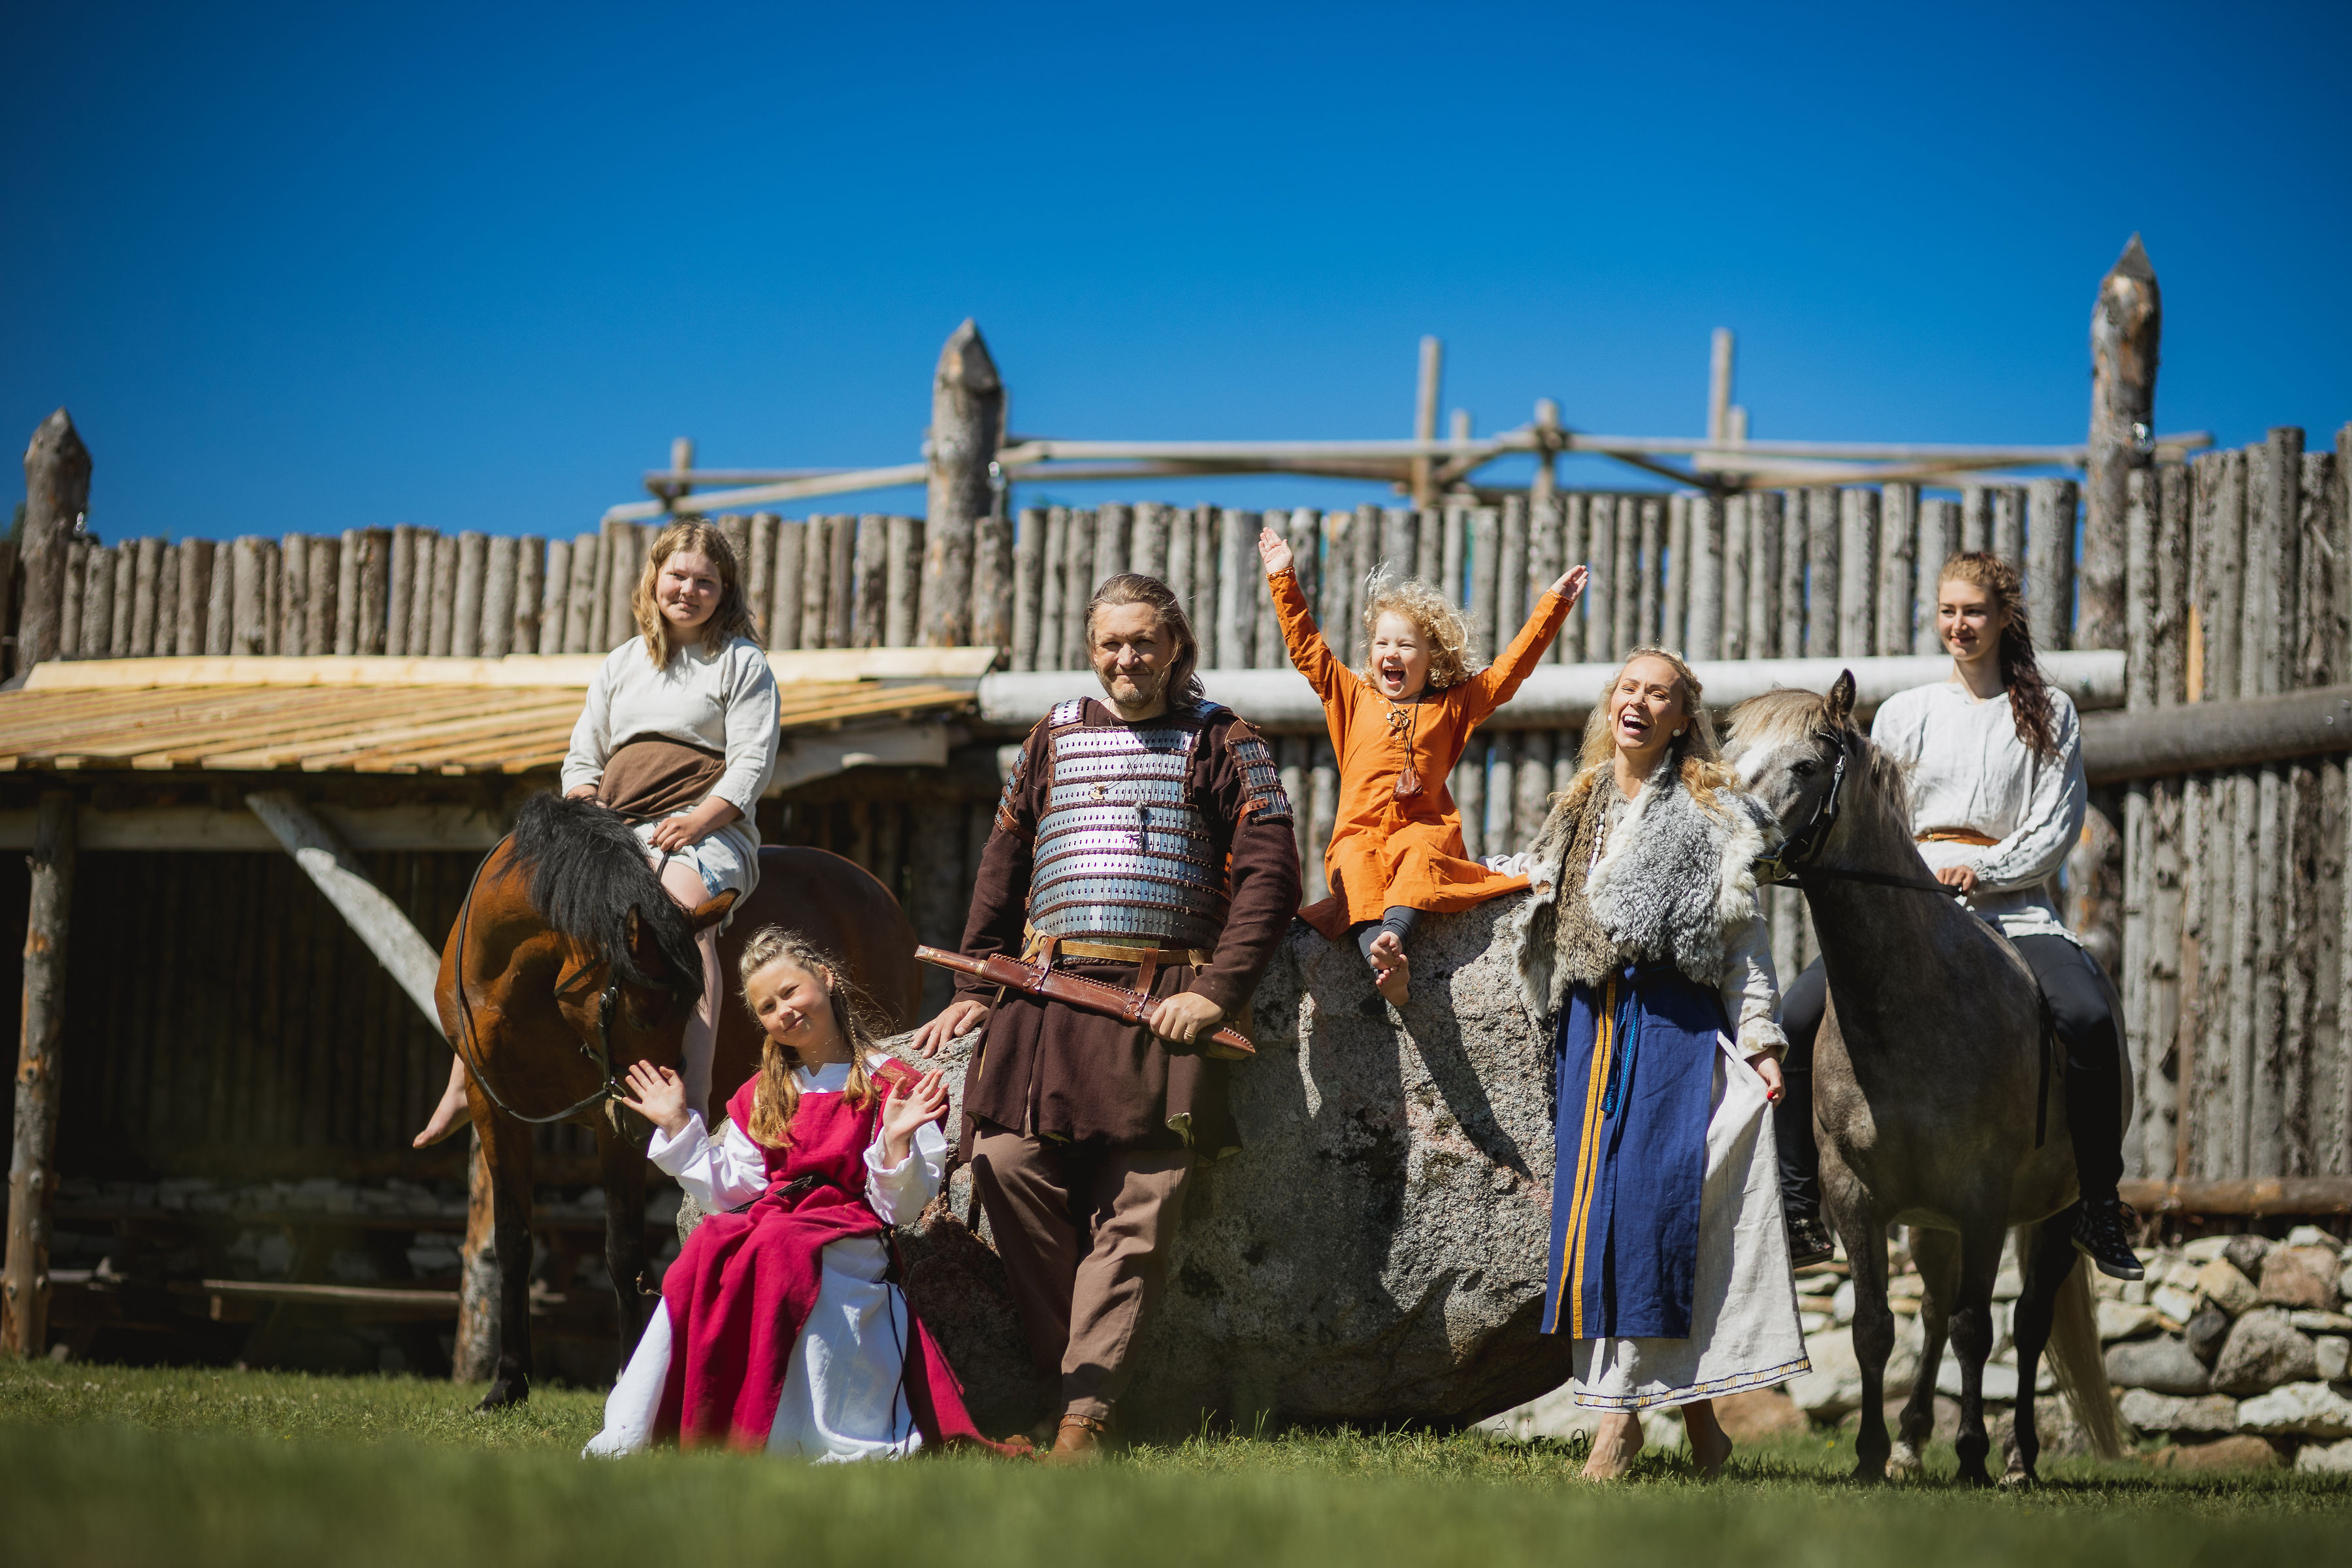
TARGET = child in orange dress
(1398,728)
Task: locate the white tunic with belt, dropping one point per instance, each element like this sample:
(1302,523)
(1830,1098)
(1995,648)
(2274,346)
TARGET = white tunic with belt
(1967,770)
(720,699)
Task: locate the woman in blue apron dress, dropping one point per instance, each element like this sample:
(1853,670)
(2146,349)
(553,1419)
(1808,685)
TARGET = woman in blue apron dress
(1643,951)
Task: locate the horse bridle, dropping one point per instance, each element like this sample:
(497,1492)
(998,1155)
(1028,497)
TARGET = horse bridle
(1793,861)
(606,1001)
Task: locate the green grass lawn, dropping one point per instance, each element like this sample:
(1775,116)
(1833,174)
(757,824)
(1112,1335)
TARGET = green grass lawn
(106,1465)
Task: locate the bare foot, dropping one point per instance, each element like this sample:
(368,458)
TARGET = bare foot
(1614,1447)
(1392,971)
(449,1116)
(1710,1444)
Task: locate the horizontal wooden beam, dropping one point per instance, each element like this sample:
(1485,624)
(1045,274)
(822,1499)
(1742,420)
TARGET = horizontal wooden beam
(2247,1196)
(2196,736)
(849,482)
(936,663)
(144,829)
(374,1299)
(1556,696)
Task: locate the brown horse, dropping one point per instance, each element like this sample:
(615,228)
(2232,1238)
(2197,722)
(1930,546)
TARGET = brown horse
(567,963)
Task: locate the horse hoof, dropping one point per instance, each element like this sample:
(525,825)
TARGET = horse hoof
(1866,1474)
(2018,1479)
(503,1393)
(1903,1464)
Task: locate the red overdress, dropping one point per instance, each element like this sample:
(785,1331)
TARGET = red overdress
(744,1285)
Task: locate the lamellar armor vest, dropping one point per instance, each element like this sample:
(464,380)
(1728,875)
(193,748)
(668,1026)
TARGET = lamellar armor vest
(1123,850)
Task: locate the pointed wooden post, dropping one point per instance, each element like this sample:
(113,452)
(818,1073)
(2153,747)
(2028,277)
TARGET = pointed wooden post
(24,1285)
(967,426)
(1425,418)
(57,495)
(2125,324)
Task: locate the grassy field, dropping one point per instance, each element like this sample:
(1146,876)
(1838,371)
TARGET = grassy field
(104,1465)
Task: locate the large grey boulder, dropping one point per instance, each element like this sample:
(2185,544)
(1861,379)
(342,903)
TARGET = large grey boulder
(2264,1349)
(1377,1252)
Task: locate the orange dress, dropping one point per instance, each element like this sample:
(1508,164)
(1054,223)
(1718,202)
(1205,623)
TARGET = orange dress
(1389,851)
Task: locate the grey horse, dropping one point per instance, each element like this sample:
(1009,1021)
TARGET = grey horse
(1937,1100)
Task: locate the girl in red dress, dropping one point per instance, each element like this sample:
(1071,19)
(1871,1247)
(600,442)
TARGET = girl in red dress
(780,1328)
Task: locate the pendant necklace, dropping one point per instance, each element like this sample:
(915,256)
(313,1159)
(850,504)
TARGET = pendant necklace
(1402,724)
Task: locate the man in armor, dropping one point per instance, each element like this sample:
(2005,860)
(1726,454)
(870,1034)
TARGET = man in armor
(1143,840)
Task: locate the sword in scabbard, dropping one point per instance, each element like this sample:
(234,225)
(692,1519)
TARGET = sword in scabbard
(1077,991)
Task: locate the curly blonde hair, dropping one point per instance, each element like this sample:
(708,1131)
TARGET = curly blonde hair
(779,1094)
(1439,622)
(1694,753)
(732,620)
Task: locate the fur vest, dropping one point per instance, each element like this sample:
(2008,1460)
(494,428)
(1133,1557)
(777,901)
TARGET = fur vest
(1670,878)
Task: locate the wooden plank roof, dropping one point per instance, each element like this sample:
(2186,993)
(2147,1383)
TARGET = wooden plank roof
(202,717)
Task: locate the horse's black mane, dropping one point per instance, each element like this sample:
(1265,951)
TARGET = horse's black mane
(587,871)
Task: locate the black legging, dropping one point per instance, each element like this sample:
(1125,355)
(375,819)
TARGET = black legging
(1397,918)
(2078,1002)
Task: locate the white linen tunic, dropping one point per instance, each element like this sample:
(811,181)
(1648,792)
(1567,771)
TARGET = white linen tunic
(1969,770)
(722,699)
(841,1398)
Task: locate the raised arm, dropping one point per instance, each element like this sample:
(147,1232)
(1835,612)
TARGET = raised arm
(1308,652)
(1493,686)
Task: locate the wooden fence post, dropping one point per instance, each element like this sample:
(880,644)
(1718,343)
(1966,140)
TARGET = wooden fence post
(465,615)
(2049,568)
(1858,579)
(869,587)
(57,496)
(2127,324)
(991,583)
(1898,564)
(967,426)
(903,591)
(1703,582)
(1820,606)
(25,1284)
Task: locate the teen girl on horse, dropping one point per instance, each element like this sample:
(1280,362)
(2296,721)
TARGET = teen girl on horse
(1398,727)
(680,734)
(1643,951)
(779,1327)
(1995,761)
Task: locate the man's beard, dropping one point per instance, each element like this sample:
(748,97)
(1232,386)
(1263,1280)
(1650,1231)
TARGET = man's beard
(1149,684)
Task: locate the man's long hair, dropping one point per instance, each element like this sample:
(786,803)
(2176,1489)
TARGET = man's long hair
(1183,684)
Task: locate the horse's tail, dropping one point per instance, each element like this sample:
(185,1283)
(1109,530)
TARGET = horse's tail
(2082,1371)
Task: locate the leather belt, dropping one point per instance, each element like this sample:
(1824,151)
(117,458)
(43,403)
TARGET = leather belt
(1197,957)
(1146,957)
(1956,835)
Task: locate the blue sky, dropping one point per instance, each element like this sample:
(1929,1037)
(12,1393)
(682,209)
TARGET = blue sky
(472,267)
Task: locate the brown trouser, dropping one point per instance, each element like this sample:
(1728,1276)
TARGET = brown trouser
(1084,1234)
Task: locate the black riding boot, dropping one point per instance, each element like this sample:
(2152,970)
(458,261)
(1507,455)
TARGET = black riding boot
(1802,1007)
(2095,1089)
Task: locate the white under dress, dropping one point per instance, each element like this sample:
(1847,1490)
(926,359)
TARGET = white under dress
(841,1398)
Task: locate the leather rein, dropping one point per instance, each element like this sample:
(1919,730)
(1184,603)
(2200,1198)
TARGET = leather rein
(601,1058)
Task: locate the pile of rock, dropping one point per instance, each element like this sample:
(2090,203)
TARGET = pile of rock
(2229,1337)
(2238,1337)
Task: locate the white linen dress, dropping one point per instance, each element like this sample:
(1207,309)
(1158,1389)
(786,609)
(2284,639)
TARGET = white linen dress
(841,1398)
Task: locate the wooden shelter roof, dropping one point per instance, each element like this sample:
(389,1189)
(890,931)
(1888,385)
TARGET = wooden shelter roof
(403,716)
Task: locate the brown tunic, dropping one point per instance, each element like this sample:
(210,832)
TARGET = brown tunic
(1059,1073)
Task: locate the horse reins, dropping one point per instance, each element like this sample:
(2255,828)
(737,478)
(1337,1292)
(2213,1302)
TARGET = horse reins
(601,1058)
